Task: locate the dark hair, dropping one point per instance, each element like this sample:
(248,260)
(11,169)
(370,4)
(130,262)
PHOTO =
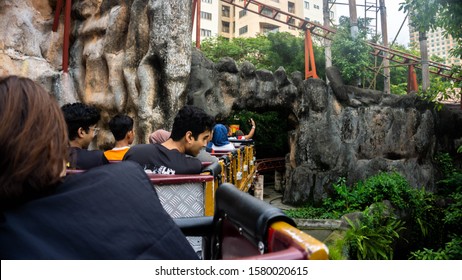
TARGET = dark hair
(191,118)
(79,115)
(33,141)
(120,125)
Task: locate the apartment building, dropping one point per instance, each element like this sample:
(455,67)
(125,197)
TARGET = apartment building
(437,45)
(219,18)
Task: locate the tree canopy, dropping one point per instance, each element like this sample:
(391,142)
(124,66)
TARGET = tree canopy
(426,15)
(268,51)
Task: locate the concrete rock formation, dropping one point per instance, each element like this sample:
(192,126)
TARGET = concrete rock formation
(130,57)
(337,130)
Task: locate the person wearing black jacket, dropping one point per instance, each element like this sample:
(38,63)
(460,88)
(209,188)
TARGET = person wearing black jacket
(108,212)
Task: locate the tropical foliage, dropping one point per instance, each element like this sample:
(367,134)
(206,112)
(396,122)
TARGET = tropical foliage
(351,56)
(271,132)
(269,51)
(428,230)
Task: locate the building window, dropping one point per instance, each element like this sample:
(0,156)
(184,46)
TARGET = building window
(291,7)
(291,21)
(206,33)
(307,5)
(307,18)
(225,26)
(243,30)
(205,15)
(267,12)
(316,7)
(225,11)
(242,13)
(270,28)
(331,14)
(207,1)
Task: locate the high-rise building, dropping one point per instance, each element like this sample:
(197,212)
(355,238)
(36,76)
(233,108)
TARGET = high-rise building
(437,45)
(219,18)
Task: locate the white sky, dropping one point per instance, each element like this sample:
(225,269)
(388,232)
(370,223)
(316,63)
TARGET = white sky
(394,18)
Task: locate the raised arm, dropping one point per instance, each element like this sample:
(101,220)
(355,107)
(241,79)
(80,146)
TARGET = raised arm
(251,132)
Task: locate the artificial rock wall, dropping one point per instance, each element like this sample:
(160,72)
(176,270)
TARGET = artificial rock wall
(135,57)
(129,56)
(336,130)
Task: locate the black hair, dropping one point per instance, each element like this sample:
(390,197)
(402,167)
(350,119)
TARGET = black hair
(191,118)
(120,125)
(79,115)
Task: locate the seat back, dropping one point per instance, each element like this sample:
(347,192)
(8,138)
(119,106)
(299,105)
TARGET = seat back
(248,228)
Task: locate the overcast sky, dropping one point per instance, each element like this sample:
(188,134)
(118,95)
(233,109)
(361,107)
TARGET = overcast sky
(394,18)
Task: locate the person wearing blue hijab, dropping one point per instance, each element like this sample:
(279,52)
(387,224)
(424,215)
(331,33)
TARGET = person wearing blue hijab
(220,139)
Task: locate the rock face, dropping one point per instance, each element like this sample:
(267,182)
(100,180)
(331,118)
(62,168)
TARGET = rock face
(130,57)
(337,130)
(134,57)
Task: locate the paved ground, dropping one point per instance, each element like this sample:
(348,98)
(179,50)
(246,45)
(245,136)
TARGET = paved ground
(274,198)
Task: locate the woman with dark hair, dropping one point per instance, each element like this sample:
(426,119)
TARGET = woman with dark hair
(109,212)
(33,141)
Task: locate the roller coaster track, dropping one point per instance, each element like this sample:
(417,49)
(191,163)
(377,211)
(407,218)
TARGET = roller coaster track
(268,164)
(400,57)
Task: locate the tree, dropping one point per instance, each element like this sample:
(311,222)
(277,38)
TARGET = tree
(288,51)
(268,51)
(253,49)
(351,56)
(428,15)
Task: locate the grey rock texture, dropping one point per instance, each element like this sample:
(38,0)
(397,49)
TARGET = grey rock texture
(338,130)
(130,57)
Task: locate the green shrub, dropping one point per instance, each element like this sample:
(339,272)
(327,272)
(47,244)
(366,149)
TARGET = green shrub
(451,251)
(373,237)
(383,186)
(308,212)
(429,219)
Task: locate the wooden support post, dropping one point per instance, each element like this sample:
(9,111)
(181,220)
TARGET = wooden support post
(194,4)
(198,24)
(386,69)
(353,19)
(258,191)
(277,181)
(412,85)
(327,42)
(310,65)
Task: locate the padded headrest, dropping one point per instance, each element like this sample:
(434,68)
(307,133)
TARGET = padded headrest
(252,215)
(214,169)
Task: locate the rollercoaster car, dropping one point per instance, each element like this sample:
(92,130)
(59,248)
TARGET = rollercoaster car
(222,221)
(244,227)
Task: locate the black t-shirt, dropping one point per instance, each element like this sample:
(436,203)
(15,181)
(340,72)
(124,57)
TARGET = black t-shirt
(85,159)
(161,160)
(109,212)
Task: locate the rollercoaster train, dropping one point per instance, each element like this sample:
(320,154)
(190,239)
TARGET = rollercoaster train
(221,220)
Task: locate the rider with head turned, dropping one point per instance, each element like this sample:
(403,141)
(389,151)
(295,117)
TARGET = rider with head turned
(192,129)
(81,122)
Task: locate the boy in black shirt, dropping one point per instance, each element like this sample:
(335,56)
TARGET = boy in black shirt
(81,123)
(191,131)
